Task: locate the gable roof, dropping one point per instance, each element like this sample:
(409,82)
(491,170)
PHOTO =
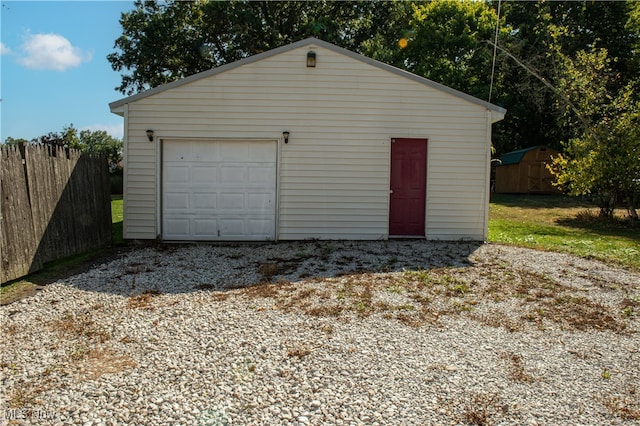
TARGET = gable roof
(499,112)
(515,157)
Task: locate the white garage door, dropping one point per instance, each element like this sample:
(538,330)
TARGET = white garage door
(219,190)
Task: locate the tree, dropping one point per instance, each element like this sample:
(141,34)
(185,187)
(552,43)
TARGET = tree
(88,141)
(99,141)
(604,160)
(538,31)
(12,141)
(446,43)
(165,41)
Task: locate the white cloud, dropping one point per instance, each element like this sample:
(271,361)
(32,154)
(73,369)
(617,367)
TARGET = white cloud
(4,50)
(51,52)
(115,130)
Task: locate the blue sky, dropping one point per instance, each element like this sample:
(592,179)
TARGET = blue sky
(54,70)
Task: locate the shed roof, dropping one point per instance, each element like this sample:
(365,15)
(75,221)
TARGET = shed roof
(497,112)
(514,157)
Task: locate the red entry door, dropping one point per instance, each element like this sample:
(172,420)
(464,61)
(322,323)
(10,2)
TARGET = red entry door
(408,187)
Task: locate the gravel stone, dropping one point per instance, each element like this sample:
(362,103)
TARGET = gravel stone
(327,332)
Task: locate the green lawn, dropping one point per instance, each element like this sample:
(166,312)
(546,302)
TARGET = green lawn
(116,218)
(564,224)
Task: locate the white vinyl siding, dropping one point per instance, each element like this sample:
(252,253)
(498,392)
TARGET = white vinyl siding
(334,172)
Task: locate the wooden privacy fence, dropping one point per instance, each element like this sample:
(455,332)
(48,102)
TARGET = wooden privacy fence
(55,203)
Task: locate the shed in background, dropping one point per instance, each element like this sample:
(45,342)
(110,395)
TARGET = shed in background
(525,172)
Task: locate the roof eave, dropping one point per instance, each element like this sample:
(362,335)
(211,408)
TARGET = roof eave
(497,114)
(117,109)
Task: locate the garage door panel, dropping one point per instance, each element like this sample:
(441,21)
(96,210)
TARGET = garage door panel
(177,201)
(259,201)
(259,227)
(205,227)
(233,201)
(176,173)
(234,151)
(204,174)
(261,152)
(219,190)
(232,174)
(258,174)
(231,227)
(176,151)
(177,227)
(204,151)
(200,200)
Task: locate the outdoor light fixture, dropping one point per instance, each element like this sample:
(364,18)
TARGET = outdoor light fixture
(285,135)
(150,135)
(311,59)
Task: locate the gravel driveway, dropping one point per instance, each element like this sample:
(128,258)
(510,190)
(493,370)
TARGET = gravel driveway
(387,332)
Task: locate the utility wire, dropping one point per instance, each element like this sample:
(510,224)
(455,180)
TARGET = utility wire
(495,50)
(562,95)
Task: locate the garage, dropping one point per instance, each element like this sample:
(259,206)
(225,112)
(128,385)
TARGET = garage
(219,190)
(305,141)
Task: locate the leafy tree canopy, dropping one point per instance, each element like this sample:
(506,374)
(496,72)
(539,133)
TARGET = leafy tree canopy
(604,159)
(89,141)
(447,43)
(566,71)
(165,41)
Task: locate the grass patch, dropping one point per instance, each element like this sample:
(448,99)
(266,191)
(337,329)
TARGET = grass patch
(116,219)
(563,224)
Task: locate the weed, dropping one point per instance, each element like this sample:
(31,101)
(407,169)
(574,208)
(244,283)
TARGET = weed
(269,270)
(298,352)
(626,407)
(326,252)
(606,374)
(80,326)
(79,351)
(23,396)
(460,307)
(105,361)
(458,288)
(219,296)
(408,319)
(328,329)
(627,312)
(325,311)
(395,288)
(143,300)
(390,264)
(10,329)
(517,371)
(628,307)
(424,277)
(581,314)
(480,409)
(497,320)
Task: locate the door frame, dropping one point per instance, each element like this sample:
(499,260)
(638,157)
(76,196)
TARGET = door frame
(426,178)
